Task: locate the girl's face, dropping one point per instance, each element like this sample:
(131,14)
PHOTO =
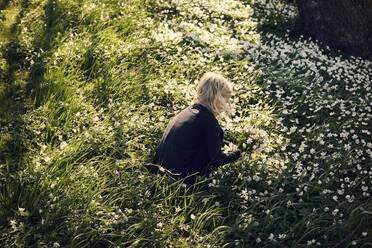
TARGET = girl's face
(227,97)
(220,105)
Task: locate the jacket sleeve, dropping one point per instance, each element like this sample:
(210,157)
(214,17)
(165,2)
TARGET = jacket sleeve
(214,142)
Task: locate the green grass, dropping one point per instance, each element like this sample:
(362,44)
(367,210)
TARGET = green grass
(87,88)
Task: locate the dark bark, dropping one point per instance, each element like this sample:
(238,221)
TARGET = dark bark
(342,24)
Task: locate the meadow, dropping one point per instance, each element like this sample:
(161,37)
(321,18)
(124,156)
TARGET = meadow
(88,87)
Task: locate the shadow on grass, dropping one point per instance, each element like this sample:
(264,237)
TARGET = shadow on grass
(21,78)
(12,107)
(20,81)
(4,4)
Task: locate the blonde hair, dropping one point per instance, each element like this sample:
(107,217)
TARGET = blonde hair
(211,91)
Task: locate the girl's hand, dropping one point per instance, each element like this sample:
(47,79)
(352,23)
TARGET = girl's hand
(235,154)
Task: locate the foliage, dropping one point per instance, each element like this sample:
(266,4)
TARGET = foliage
(89,86)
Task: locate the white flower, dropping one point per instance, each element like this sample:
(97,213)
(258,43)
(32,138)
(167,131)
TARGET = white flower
(334,213)
(256,178)
(271,237)
(13,223)
(63,145)
(258,240)
(364,234)
(282,236)
(293,129)
(56,245)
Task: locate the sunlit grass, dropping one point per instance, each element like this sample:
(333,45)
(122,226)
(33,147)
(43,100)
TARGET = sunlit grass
(90,86)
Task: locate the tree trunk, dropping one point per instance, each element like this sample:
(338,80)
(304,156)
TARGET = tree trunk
(341,24)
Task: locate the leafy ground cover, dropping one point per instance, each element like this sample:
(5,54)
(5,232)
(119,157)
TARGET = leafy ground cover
(87,88)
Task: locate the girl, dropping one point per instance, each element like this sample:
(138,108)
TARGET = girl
(192,142)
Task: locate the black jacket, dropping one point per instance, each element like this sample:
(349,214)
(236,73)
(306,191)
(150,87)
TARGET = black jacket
(192,143)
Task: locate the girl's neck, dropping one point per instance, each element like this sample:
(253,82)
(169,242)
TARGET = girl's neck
(206,106)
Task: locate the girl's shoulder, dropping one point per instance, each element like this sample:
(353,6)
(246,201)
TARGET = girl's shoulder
(204,115)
